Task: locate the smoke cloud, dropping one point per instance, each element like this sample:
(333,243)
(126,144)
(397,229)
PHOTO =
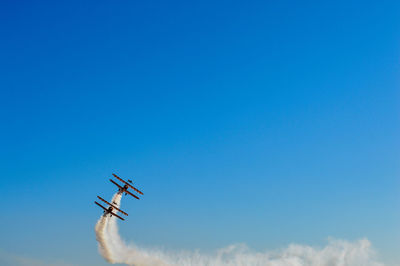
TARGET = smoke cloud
(335,253)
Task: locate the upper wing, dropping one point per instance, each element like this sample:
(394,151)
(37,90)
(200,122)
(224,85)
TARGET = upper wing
(132,194)
(117,216)
(137,190)
(120,179)
(101,206)
(112,205)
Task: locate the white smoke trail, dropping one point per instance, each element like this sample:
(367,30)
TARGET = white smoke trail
(114,249)
(101,238)
(336,253)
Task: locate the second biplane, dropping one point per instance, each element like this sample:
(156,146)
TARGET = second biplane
(124,189)
(110,209)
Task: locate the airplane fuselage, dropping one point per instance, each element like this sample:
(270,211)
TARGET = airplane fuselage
(123,189)
(108,211)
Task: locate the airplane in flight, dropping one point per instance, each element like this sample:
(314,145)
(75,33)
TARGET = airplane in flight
(110,209)
(124,189)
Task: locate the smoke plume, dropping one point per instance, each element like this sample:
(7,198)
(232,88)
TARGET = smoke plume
(335,253)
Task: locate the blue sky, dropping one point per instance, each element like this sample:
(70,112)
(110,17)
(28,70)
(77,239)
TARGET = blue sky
(251,122)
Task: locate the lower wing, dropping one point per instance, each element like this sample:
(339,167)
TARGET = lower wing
(100,205)
(131,194)
(117,216)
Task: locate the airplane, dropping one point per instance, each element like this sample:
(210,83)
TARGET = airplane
(110,209)
(124,189)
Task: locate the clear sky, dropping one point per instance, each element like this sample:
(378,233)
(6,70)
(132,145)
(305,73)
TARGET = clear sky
(241,121)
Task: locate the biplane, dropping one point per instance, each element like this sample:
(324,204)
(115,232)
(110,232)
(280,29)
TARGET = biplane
(110,209)
(126,186)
